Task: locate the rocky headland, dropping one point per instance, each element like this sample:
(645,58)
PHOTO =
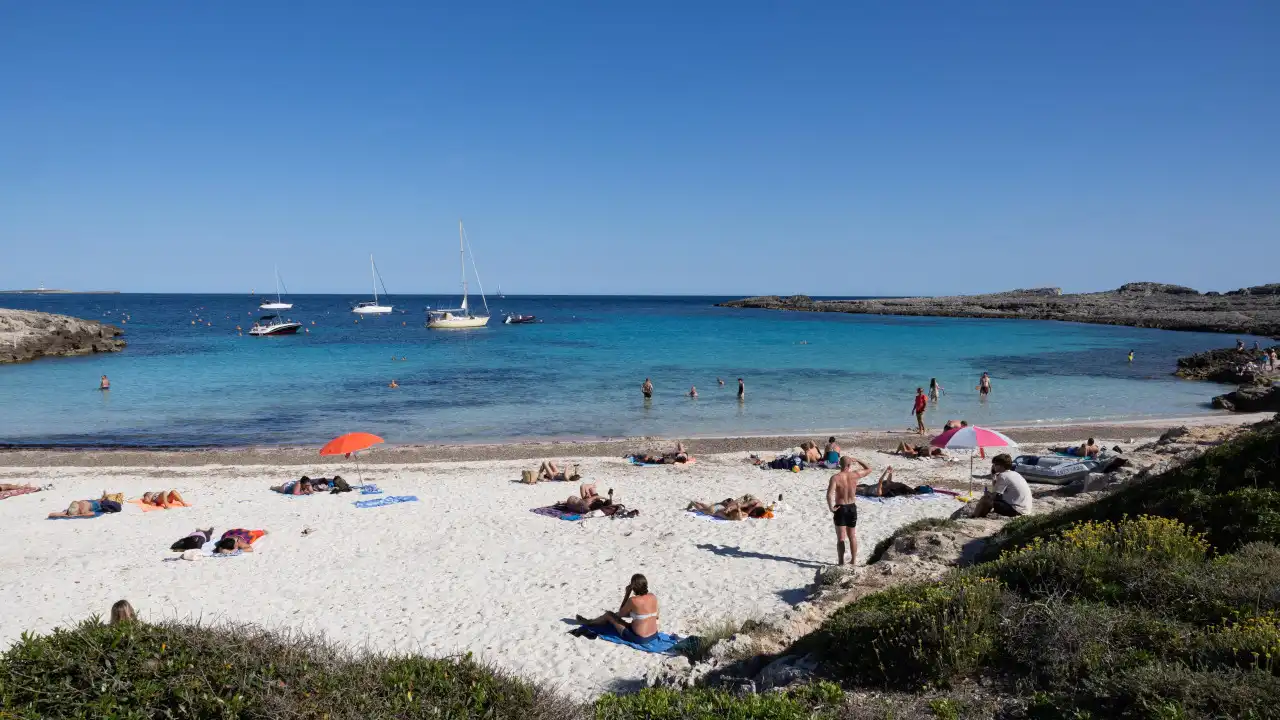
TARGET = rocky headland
(26,335)
(1253,310)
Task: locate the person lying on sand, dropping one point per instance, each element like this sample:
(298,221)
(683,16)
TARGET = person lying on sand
(585,501)
(163,499)
(637,618)
(679,456)
(548,472)
(237,539)
(886,486)
(917,450)
(731,508)
(79,508)
(295,487)
(194,541)
(6,487)
(955,425)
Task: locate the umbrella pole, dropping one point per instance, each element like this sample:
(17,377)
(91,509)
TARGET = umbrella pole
(359,475)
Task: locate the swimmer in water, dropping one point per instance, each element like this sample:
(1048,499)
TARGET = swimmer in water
(105,384)
(720,380)
(393,384)
(1130,356)
(693,391)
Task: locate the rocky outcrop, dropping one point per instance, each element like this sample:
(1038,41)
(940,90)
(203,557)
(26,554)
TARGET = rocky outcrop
(1254,311)
(1228,365)
(1250,398)
(26,335)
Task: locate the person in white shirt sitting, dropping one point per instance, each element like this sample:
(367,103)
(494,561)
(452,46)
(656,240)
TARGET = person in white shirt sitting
(1009,494)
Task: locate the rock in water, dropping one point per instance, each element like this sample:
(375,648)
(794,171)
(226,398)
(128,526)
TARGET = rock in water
(26,335)
(1250,398)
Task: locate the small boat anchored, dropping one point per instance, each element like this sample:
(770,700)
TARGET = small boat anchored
(516,319)
(373,308)
(274,325)
(279,304)
(461,317)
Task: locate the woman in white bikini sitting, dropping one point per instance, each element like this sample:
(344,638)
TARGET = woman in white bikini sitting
(636,620)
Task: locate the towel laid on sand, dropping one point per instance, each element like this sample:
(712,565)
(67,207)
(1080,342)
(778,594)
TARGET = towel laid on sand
(370,489)
(632,459)
(551,512)
(663,644)
(76,517)
(148,507)
(18,491)
(704,516)
(388,500)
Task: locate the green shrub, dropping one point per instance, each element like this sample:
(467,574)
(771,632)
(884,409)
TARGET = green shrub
(912,635)
(1250,643)
(147,671)
(811,702)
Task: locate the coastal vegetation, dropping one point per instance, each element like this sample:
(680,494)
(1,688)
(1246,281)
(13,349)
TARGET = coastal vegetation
(1159,600)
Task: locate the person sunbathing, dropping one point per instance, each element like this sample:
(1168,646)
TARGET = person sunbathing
(295,487)
(637,618)
(585,501)
(237,539)
(810,451)
(917,450)
(193,541)
(731,508)
(79,508)
(163,499)
(6,487)
(679,456)
(548,472)
(886,486)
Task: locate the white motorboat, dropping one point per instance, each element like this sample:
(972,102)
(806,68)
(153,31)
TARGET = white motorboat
(375,307)
(274,325)
(461,317)
(279,304)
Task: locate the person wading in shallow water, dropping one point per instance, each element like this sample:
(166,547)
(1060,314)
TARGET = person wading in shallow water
(921,403)
(742,390)
(647,389)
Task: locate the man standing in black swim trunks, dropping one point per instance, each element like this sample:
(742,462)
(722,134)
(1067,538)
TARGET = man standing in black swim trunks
(841,492)
(647,389)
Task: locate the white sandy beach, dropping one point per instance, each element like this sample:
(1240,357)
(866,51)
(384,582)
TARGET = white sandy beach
(466,568)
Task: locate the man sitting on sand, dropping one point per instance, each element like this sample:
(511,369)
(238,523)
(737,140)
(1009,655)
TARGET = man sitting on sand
(831,455)
(841,492)
(163,499)
(237,539)
(1009,494)
(731,508)
(636,620)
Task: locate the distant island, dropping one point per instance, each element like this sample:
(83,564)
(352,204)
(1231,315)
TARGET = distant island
(54,291)
(1252,310)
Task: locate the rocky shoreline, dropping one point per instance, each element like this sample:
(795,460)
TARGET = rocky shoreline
(1252,311)
(26,335)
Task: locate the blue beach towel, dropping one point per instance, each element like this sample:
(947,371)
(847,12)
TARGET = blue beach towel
(78,517)
(388,500)
(663,644)
(371,489)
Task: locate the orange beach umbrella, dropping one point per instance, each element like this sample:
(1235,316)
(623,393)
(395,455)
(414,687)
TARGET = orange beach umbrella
(350,444)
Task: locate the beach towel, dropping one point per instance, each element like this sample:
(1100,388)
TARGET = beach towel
(19,491)
(551,512)
(202,554)
(76,517)
(632,459)
(148,507)
(370,489)
(704,516)
(663,644)
(388,500)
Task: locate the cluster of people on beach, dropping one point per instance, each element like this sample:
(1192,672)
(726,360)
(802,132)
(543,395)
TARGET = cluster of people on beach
(922,400)
(1257,360)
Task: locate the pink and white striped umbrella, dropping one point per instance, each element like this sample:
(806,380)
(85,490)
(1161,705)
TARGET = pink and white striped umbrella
(971,438)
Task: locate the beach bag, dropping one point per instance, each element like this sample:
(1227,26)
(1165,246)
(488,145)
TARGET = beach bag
(340,485)
(109,506)
(113,497)
(528,477)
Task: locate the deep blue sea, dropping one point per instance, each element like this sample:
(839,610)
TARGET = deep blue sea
(189,378)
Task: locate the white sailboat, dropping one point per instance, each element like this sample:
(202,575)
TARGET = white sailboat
(373,308)
(461,317)
(279,304)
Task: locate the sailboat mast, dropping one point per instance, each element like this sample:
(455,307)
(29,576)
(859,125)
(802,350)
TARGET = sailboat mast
(373,279)
(462,263)
(277,269)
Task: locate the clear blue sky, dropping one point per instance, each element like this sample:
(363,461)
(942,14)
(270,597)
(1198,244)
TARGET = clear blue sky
(665,147)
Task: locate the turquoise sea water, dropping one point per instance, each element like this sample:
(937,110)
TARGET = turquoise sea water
(578,374)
